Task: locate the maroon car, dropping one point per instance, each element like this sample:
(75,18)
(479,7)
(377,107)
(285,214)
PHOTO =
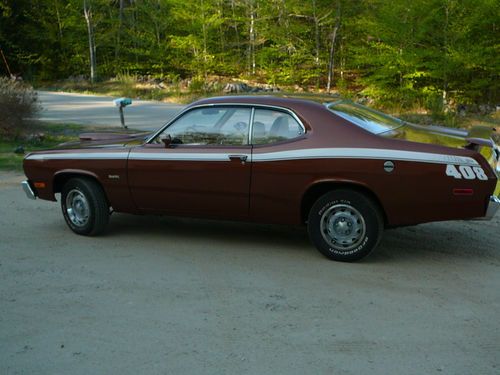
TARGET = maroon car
(345,171)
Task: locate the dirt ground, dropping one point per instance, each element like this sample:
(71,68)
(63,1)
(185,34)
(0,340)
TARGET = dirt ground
(180,296)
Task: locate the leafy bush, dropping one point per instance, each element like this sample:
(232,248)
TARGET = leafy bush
(18,107)
(128,83)
(196,85)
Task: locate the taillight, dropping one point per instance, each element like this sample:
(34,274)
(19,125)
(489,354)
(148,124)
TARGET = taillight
(460,191)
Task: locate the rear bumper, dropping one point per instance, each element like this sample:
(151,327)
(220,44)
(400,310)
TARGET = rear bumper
(493,206)
(28,190)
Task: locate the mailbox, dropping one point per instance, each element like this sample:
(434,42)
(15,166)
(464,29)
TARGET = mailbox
(122,103)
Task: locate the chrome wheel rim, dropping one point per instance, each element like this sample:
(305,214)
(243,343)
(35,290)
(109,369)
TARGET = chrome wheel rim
(343,227)
(77,208)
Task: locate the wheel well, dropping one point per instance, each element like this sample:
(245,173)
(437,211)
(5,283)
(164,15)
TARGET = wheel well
(319,189)
(61,179)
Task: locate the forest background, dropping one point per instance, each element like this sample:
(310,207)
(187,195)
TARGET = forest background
(438,56)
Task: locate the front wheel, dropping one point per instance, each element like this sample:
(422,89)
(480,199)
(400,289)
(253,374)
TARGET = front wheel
(345,225)
(84,206)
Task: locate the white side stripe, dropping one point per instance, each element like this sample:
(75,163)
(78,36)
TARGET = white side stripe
(364,153)
(182,156)
(79,155)
(315,153)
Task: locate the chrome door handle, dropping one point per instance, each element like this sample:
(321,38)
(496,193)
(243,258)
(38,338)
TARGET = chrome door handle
(242,158)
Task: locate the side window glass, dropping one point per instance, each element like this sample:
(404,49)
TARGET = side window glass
(234,131)
(210,126)
(271,126)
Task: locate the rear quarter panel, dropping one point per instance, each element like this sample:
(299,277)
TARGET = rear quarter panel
(413,193)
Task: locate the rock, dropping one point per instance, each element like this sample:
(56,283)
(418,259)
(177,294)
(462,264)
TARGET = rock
(298,88)
(236,87)
(485,109)
(239,87)
(77,78)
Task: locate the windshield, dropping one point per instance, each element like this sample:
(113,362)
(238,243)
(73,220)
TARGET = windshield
(367,118)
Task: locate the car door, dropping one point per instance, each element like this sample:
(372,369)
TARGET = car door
(278,174)
(204,171)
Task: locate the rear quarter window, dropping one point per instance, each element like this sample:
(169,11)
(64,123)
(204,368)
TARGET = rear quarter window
(270,126)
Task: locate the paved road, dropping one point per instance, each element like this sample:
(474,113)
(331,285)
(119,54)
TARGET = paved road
(100,110)
(178,296)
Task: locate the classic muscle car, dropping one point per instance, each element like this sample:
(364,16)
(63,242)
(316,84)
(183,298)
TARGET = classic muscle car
(342,169)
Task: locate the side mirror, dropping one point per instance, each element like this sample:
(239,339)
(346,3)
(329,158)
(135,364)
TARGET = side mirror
(167,140)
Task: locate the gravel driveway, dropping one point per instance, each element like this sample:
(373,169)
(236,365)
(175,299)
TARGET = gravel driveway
(180,296)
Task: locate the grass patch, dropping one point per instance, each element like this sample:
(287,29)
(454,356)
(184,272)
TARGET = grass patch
(10,161)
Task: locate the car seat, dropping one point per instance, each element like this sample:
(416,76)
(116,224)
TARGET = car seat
(280,127)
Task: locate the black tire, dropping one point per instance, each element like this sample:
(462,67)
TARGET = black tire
(345,225)
(84,206)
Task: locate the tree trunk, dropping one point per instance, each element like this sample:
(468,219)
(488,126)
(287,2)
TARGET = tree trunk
(87,11)
(445,53)
(251,44)
(120,25)
(237,33)
(134,28)
(316,39)
(342,59)
(220,9)
(331,60)
(205,37)
(6,63)
(58,15)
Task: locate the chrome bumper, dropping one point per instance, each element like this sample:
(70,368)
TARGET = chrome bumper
(28,190)
(493,206)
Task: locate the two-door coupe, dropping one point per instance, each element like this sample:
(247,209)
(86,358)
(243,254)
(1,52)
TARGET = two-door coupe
(344,170)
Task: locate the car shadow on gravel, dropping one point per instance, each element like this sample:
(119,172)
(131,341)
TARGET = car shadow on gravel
(293,237)
(434,240)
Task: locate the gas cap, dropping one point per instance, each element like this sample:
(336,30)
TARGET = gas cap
(388,166)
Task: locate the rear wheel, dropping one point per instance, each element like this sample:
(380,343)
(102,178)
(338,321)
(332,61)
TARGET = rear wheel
(345,225)
(84,206)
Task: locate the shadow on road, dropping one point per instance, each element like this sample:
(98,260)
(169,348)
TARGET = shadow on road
(434,240)
(209,231)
